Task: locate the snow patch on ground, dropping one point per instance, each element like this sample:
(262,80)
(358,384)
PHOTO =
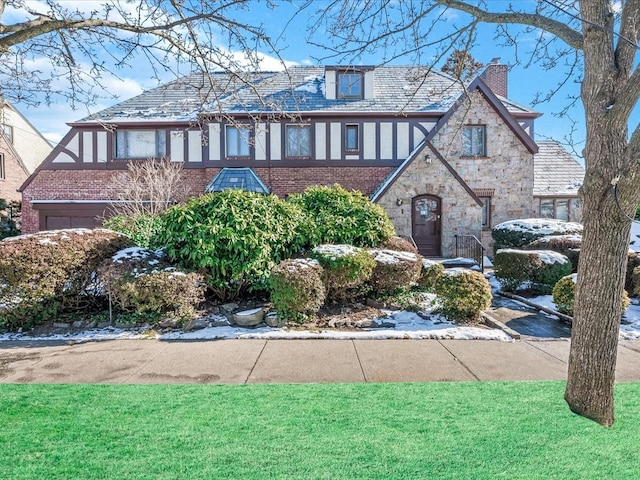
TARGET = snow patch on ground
(635,237)
(408,325)
(629,330)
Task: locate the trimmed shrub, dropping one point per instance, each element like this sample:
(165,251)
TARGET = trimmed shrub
(564,295)
(538,270)
(399,244)
(343,217)
(234,237)
(142,230)
(345,267)
(394,270)
(9,218)
(463,293)
(297,291)
(567,245)
(144,281)
(430,273)
(519,233)
(632,280)
(48,273)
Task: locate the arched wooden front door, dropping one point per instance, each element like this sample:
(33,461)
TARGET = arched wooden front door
(426,221)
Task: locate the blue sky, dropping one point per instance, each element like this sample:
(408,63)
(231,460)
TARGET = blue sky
(524,82)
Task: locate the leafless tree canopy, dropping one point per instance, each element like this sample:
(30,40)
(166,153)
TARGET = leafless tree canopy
(462,65)
(149,187)
(49,52)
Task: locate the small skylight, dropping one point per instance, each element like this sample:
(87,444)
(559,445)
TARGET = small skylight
(240,178)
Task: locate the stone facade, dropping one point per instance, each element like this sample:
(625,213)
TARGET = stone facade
(461,214)
(505,174)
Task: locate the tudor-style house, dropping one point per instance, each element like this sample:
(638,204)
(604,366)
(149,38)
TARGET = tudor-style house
(22,149)
(442,159)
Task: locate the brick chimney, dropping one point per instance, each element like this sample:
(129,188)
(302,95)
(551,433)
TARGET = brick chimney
(495,76)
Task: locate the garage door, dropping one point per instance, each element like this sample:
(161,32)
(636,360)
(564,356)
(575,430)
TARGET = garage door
(57,223)
(57,216)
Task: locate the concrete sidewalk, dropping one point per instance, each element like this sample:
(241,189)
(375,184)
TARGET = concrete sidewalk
(294,361)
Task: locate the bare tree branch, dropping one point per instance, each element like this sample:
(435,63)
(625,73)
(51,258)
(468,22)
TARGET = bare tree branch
(561,30)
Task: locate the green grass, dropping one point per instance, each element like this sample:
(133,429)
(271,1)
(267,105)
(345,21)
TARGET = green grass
(342,431)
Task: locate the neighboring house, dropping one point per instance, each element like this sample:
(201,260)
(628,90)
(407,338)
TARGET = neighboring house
(557,178)
(443,161)
(22,149)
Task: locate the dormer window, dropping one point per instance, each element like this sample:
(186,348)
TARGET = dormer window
(350,85)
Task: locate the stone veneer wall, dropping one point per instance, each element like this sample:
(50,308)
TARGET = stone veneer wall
(98,184)
(460,212)
(507,169)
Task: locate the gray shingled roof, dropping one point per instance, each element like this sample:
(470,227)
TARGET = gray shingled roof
(555,171)
(397,89)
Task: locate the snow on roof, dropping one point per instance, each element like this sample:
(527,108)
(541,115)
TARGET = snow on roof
(555,171)
(300,89)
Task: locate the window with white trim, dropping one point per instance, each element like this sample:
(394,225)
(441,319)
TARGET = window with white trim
(350,85)
(298,142)
(237,141)
(2,172)
(147,143)
(567,209)
(474,141)
(351,138)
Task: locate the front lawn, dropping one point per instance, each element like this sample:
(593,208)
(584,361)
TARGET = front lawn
(343,431)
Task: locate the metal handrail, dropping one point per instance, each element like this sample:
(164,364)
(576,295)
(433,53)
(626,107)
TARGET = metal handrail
(468,246)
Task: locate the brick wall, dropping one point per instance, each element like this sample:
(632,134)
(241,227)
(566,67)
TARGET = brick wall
(14,175)
(99,184)
(495,76)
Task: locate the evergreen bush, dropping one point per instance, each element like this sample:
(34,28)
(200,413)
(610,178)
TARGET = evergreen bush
(394,270)
(567,245)
(297,291)
(399,244)
(463,294)
(144,281)
(519,233)
(564,295)
(52,272)
(430,273)
(632,280)
(538,270)
(234,237)
(142,230)
(339,216)
(345,267)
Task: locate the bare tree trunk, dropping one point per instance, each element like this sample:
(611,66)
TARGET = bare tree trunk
(606,217)
(597,312)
